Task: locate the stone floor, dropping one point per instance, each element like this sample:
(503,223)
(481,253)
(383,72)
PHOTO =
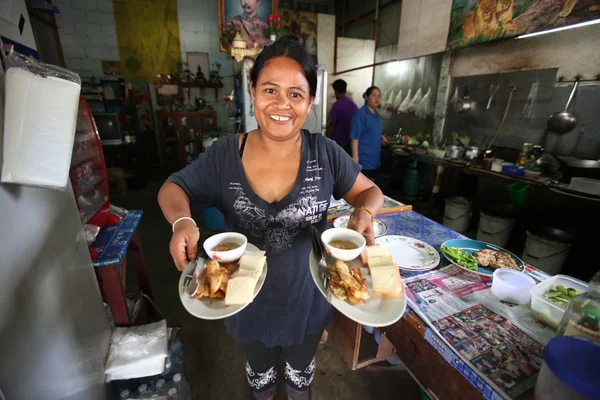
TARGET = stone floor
(214,366)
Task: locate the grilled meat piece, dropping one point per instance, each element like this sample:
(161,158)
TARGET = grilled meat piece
(485,258)
(495,259)
(504,260)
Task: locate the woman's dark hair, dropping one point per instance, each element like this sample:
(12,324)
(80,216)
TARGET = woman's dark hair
(369,91)
(288,46)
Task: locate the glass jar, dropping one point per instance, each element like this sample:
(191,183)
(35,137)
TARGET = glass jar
(582,316)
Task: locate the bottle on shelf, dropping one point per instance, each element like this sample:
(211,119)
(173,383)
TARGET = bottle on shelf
(582,316)
(524,155)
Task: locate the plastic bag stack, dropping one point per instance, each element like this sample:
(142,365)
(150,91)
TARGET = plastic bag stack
(40,117)
(137,352)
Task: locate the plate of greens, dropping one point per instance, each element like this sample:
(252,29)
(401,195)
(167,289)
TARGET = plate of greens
(470,254)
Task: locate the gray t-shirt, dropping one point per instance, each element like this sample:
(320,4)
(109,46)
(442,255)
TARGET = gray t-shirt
(289,306)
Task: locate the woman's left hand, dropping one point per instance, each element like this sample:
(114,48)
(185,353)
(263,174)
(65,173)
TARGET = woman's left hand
(361,223)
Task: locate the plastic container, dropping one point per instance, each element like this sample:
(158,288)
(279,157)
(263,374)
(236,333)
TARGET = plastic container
(512,286)
(519,193)
(544,253)
(497,164)
(586,185)
(545,310)
(493,229)
(457,214)
(512,170)
(570,370)
(532,174)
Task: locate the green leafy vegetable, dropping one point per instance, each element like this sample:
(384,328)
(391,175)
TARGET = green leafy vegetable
(461,257)
(561,295)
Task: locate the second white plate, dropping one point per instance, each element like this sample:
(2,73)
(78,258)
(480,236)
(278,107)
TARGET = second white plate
(376,311)
(379,227)
(410,254)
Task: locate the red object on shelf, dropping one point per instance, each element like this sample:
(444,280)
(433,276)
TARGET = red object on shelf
(88,170)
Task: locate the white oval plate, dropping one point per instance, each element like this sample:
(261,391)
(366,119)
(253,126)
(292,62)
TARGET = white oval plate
(376,311)
(410,254)
(215,308)
(379,227)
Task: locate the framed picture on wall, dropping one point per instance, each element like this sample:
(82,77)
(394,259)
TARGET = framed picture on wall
(248,17)
(197,59)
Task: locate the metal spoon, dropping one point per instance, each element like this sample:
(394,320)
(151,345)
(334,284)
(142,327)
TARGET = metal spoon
(563,121)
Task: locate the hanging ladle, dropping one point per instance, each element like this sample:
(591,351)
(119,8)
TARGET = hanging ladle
(563,121)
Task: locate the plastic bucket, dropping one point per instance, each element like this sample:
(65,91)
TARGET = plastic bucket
(457,214)
(519,193)
(544,253)
(213,219)
(493,229)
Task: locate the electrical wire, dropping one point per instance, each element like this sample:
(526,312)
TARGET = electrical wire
(514,88)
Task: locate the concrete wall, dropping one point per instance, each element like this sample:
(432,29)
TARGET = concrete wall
(424,27)
(353,53)
(87,33)
(574,52)
(389,17)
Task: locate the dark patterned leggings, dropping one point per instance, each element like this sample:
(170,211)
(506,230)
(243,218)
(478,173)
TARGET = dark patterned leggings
(261,367)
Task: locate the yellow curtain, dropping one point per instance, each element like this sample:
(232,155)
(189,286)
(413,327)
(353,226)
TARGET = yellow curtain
(148,36)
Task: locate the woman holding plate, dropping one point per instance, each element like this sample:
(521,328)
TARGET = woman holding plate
(272,184)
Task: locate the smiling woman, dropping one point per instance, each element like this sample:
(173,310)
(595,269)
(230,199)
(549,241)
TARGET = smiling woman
(272,184)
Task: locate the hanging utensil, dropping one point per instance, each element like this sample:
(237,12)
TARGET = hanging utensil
(493,89)
(531,99)
(562,122)
(463,105)
(454,98)
(510,95)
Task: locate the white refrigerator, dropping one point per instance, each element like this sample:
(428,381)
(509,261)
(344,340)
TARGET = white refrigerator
(316,120)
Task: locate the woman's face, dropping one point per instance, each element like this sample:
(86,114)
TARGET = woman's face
(281,98)
(374,99)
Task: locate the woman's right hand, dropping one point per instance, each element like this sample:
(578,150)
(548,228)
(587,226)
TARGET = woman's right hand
(184,243)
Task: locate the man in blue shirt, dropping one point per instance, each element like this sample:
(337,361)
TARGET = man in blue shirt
(365,133)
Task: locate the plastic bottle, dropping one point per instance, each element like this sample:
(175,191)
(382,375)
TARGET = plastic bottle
(124,395)
(173,394)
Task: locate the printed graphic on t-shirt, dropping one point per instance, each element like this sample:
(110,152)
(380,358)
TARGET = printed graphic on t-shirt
(278,231)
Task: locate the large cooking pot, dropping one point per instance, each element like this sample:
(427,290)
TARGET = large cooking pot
(454,152)
(582,168)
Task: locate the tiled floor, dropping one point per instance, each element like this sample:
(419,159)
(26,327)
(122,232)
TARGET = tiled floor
(214,366)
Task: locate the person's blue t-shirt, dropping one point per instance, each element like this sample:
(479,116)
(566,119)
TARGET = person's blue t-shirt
(289,305)
(366,127)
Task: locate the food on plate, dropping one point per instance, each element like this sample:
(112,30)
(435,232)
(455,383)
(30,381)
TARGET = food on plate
(252,262)
(461,257)
(496,259)
(348,284)
(386,280)
(380,261)
(240,290)
(372,252)
(385,275)
(561,295)
(343,244)
(235,282)
(225,246)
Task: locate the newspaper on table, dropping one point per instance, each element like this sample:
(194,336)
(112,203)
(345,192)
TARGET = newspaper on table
(501,341)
